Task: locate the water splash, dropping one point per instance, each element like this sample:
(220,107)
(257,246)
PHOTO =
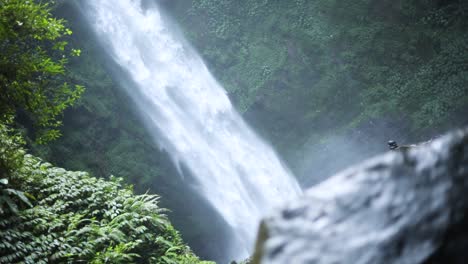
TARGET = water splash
(191,116)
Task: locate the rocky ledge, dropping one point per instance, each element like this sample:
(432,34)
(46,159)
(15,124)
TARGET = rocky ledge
(405,207)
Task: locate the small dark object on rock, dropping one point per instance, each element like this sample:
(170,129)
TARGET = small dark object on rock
(394,146)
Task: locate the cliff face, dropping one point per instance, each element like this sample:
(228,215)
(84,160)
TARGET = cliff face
(406,206)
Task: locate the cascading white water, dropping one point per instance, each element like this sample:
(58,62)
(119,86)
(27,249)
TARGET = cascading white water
(191,115)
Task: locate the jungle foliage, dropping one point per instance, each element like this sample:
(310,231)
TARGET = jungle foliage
(32,66)
(373,57)
(62,216)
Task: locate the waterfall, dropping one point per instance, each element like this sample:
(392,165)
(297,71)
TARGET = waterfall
(191,117)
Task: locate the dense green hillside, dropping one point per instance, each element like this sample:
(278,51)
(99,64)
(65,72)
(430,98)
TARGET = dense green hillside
(325,78)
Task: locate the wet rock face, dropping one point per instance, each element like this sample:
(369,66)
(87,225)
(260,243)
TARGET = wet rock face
(405,207)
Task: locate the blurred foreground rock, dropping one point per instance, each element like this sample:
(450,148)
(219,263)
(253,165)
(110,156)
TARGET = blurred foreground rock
(405,207)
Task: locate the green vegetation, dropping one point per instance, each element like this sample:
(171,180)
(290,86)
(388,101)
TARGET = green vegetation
(71,217)
(32,67)
(354,61)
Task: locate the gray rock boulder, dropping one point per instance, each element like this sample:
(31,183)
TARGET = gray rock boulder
(404,207)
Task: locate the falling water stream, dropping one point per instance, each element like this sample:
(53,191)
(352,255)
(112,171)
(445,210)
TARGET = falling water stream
(191,117)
